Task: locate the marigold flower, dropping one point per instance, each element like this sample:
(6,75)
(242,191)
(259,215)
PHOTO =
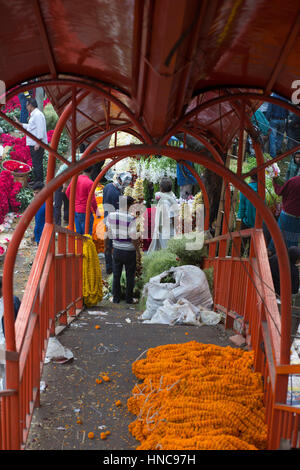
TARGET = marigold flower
(91,435)
(206,394)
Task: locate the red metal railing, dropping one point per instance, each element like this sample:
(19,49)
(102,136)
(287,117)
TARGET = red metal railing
(243,290)
(244,293)
(52,295)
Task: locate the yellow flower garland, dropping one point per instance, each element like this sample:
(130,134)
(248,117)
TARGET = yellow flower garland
(197,396)
(92,277)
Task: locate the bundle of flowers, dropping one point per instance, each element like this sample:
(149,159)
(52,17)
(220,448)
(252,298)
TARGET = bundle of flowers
(17,167)
(46,101)
(49,135)
(13,201)
(19,150)
(12,104)
(7,139)
(3,250)
(198,396)
(8,192)
(155,168)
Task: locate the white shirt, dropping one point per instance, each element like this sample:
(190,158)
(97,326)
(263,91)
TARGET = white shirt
(37,126)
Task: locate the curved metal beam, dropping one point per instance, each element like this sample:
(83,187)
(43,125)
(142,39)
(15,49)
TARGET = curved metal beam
(178,154)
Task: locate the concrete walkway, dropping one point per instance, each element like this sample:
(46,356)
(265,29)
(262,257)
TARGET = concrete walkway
(72,392)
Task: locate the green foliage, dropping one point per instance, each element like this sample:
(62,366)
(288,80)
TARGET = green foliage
(24,196)
(157,262)
(51,116)
(64,143)
(209,273)
(136,290)
(6,126)
(178,247)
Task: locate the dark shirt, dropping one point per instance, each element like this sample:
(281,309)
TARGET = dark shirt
(39,223)
(276,112)
(111,195)
(184,176)
(17,304)
(290,193)
(276,279)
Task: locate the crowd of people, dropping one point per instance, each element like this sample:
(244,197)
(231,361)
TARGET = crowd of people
(121,247)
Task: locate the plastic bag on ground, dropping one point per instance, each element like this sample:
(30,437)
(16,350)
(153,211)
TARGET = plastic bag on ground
(190,283)
(56,352)
(183,312)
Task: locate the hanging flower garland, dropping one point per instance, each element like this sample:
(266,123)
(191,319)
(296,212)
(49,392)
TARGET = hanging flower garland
(138,195)
(92,277)
(198,396)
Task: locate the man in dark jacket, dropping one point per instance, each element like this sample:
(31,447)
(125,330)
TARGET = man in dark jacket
(277,117)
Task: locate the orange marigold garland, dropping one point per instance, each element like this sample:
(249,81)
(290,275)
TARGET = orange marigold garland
(198,396)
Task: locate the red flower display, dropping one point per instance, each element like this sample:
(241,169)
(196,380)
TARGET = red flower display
(49,135)
(20,151)
(8,191)
(46,101)
(15,166)
(12,104)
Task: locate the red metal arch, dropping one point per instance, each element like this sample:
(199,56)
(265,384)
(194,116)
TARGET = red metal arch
(178,154)
(89,86)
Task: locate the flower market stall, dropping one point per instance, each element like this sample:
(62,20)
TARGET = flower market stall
(196,71)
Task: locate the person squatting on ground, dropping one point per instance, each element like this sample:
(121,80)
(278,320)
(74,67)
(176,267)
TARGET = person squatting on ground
(111,194)
(83,188)
(121,228)
(37,126)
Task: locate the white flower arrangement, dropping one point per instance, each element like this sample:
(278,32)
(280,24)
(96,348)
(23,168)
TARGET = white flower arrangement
(273,171)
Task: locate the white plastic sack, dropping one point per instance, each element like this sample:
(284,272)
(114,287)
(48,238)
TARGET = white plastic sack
(190,284)
(56,352)
(183,312)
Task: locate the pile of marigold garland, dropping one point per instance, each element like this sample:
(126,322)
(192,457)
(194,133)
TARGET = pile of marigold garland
(197,397)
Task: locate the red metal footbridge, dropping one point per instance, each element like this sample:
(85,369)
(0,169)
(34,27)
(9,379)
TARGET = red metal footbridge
(152,69)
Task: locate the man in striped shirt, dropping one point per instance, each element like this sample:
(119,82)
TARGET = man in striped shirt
(122,230)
